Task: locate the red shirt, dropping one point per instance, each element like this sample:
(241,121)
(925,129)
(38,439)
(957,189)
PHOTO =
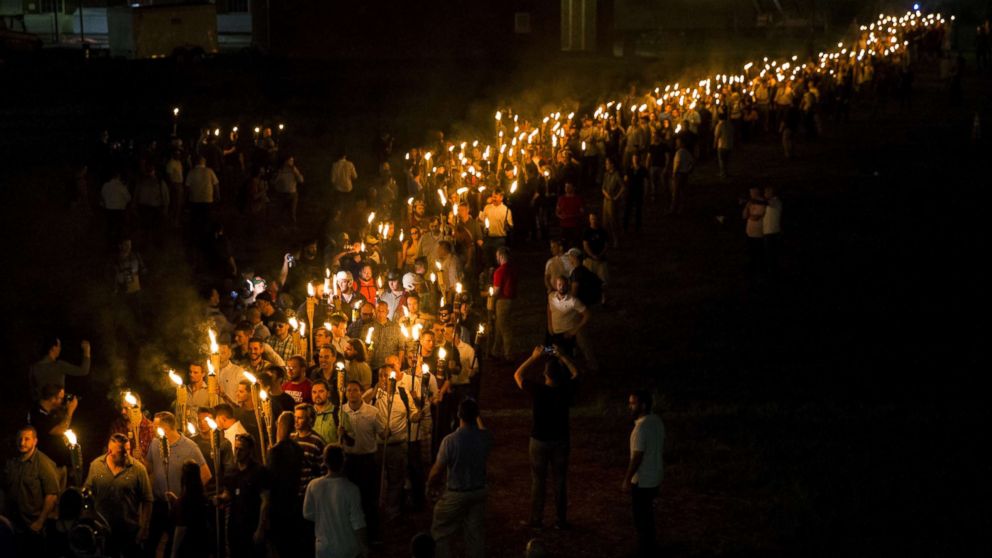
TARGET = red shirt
(368,289)
(299,391)
(570,209)
(505,278)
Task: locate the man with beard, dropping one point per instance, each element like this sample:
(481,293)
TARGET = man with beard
(244,356)
(325,423)
(122,494)
(139,435)
(386,337)
(32,490)
(247,492)
(297,385)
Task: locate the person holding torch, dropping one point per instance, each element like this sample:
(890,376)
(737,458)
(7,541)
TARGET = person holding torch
(165,459)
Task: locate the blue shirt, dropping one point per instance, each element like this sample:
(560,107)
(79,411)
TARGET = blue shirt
(179,453)
(464,453)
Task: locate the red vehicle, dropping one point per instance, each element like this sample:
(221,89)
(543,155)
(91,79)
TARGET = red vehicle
(14,37)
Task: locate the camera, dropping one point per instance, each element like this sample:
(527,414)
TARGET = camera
(549,349)
(69,397)
(291,260)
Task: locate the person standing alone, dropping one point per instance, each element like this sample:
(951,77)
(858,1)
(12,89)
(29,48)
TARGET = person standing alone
(645,469)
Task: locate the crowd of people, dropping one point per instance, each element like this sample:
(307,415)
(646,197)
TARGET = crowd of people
(339,394)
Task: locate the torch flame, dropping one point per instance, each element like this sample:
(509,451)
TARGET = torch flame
(442,353)
(130,399)
(368,336)
(458,288)
(70,437)
(303,328)
(214,347)
(310,291)
(371,217)
(392,375)
(251,377)
(176,378)
(425,369)
(211,423)
(190,428)
(294,323)
(263,395)
(160,432)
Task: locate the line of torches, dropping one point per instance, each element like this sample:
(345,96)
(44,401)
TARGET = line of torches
(883,38)
(469,164)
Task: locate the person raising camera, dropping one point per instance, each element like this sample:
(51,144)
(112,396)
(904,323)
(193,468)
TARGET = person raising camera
(552,397)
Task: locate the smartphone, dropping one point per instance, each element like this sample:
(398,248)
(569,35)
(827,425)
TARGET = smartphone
(549,350)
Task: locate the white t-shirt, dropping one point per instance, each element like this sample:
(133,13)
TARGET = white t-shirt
(334,504)
(499,218)
(648,437)
(565,312)
(342,173)
(201,182)
(771,223)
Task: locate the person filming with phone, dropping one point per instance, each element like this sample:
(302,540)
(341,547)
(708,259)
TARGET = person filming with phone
(552,397)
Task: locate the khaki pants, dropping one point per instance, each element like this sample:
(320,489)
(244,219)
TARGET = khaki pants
(465,511)
(503,334)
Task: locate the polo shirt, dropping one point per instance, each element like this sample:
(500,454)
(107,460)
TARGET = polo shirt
(118,498)
(464,453)
(179,453)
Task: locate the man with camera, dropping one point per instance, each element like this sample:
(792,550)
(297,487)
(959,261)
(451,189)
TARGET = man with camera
(51,417)
(549,439)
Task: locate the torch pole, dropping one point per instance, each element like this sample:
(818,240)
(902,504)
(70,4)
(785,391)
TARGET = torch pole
(256,403)
(215,447)
(311,306)
(385,443)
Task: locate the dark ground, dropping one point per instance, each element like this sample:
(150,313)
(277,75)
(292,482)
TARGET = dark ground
(838,412)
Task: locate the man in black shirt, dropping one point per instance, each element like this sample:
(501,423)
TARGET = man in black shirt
(595,240)
(51,417)
(288,529)
(549,438)
(635,179)
(247,491)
